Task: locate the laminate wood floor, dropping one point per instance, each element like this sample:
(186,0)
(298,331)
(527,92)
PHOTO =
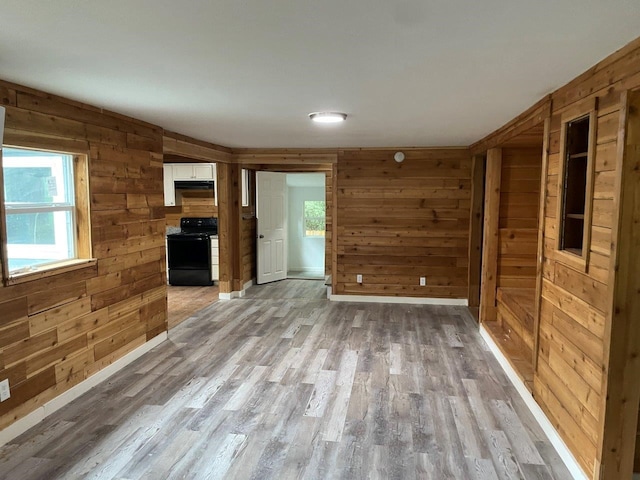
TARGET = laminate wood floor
(284,384)
(183,302)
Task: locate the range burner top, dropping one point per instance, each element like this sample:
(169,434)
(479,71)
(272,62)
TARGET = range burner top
(208,225)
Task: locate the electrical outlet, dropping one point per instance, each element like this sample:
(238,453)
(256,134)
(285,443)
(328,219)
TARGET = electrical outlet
(423,281)
(4,390)
(359,278)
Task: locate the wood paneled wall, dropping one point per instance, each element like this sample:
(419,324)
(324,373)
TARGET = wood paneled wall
(397,222)
(575,304)
(194,204)
(587,377)
(569,378)
(58,330)
(518,221)
(248,250)
(249,233)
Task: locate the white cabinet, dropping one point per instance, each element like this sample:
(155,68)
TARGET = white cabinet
(169,189)
(194,171)
(186,172)
(215,260)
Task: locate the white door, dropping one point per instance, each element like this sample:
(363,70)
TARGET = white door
(271,193)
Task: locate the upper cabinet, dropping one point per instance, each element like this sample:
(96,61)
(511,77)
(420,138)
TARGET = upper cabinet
(193,171)
(186,172)
(169,189)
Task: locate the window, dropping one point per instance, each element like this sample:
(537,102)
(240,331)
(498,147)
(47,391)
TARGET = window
(314,213)
(246,195)
(40,209)
(575,185)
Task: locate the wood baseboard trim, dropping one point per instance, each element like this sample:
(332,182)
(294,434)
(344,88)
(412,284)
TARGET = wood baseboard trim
(563,451)
(236,294)
(25,423)
(406,300)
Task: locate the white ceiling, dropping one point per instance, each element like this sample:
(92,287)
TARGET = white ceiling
(245,73)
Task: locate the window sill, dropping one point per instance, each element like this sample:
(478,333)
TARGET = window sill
(572,260)
(50,270)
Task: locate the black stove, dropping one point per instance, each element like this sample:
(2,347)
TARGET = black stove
(198,225)
(189,251)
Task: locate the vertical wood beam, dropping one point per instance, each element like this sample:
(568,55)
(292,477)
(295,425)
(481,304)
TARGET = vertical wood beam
(229,226)
(622,336)
(491,230)
(334,227)
(475,233)
(542,213)
(236,226)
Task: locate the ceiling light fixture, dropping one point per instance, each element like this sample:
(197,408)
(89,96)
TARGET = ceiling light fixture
(399,157)
(328,117)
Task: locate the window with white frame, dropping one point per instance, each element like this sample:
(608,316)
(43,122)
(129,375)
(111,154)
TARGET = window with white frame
(314,218)
(246,188)
(40,209)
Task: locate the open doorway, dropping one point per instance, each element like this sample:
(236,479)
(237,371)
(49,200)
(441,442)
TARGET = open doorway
(306,225)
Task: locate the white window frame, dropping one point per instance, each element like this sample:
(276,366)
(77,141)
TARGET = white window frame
(246,197)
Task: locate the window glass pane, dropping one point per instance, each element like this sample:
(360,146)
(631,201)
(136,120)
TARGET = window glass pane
(35,177)
(314,218)
(26,185)
(39,238)
(31,228)
(39,207)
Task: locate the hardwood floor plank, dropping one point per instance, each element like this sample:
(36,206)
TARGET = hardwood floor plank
(324,386)
(481,469)
(523,446)
(243,393)
(284,384)
(503,457)
(216,468)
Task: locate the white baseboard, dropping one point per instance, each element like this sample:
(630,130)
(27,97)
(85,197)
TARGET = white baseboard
(408,300)
(25,423)
(315,271)
(236,294)
(563,451)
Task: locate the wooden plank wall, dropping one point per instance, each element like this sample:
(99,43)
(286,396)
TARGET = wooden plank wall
(58,330)
(194,204)
(249,233)
(518,223)
(569,382)
(248,250)
(622,336)
(398,222)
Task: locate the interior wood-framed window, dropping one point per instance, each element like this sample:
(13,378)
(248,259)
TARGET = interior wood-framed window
(45,212)
(575,183)
(246,187)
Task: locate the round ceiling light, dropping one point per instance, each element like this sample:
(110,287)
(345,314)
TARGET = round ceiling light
(328,117)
